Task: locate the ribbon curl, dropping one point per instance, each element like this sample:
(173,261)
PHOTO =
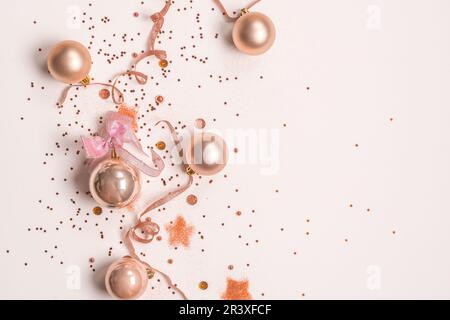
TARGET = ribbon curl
(158,22)
(149,229)
(115,135)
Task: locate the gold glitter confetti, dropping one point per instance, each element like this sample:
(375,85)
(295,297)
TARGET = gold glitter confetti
(163,63)
(161,145)
(203,285)
(97,211)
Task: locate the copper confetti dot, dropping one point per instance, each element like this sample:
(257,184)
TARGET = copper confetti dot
(136,14)
(200,124)
(163,63)
(238,213)
(92,260)
(161,145)
(104,94)
(230,267)
(170,261)
(191,199)
(97,211)
(159,99)
(203,285)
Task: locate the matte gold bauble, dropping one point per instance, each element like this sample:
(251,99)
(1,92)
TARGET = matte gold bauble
(253,33)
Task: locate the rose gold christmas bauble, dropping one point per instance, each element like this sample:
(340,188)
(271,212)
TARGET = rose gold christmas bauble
(207,154)
(254,33)
(126,279)
(114,183)
(69,61)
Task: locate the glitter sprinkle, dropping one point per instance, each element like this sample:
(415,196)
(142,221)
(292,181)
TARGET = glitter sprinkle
(236,290)
(203,285)
(97,211)
(179,232)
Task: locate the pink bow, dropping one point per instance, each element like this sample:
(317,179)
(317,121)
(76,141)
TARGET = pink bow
(116,134)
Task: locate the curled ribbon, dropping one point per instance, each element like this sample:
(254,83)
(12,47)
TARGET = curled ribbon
(158,22)
(145,230)
(116,134)
(141,78)
(117,95)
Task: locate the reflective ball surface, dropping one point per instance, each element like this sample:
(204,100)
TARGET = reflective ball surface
(114,183)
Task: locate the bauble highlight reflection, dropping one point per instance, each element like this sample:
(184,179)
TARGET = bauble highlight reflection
(207,154)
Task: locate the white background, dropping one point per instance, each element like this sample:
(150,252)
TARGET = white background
(372,132)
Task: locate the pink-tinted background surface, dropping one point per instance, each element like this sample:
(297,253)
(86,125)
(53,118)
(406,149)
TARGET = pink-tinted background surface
(355,100)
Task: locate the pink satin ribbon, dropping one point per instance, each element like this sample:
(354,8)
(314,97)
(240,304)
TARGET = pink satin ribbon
(116,134)
(145,230)
(225,12)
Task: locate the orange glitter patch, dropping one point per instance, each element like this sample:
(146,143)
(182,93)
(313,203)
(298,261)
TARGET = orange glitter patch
(179,232)
(130,112)
(236,290)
